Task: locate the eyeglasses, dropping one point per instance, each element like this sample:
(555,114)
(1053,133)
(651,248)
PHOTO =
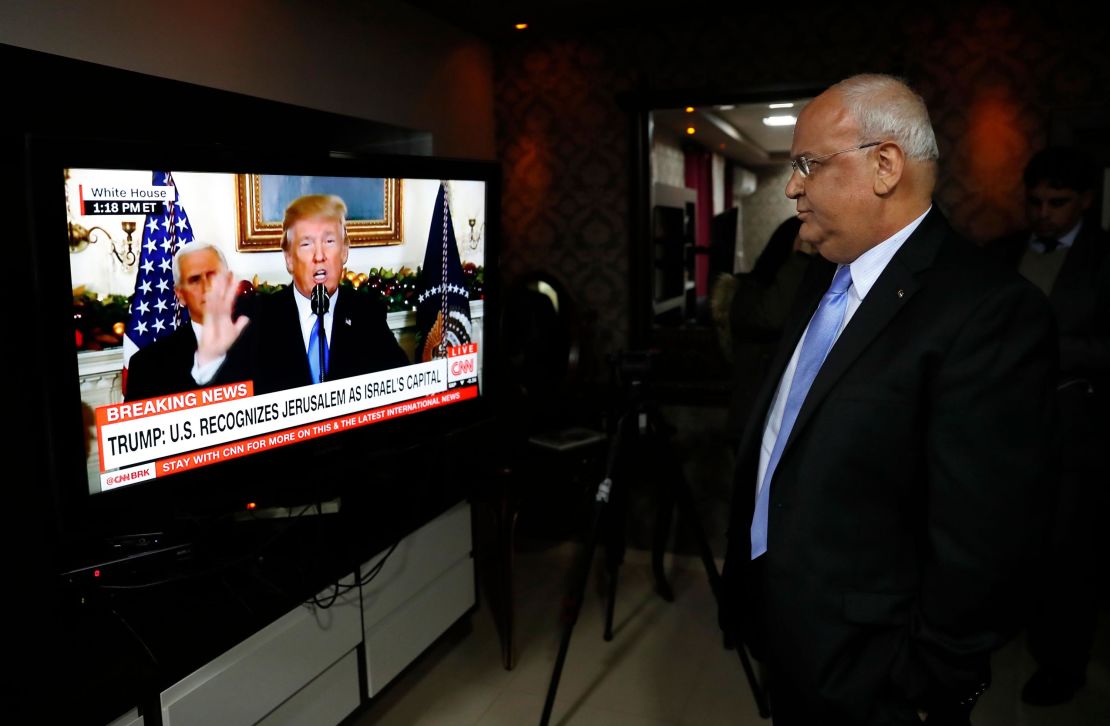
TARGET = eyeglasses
(803,165)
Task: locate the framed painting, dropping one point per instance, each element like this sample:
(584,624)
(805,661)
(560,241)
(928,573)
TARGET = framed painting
(373,207)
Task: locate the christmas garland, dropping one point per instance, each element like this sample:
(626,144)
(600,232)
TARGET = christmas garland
(99,322)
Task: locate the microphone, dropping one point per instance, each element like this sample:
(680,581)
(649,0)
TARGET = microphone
(321,303)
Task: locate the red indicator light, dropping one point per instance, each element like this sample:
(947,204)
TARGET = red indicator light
(96,573)
(252,505)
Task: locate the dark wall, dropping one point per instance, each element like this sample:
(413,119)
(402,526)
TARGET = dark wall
(1000,81)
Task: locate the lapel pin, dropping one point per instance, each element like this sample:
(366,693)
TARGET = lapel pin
(347,321)
(901,293)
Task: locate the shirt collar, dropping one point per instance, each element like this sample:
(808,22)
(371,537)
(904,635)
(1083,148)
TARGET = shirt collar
(1066,240)
(867,267)
(304,304)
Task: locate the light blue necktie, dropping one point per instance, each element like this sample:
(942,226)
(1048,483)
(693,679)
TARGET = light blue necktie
(314,342)
(819,338)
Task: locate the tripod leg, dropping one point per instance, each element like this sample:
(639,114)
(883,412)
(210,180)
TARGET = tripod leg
(601,501)
(611,601)
(570,616)
(506,526)
(614,523)
(664,513)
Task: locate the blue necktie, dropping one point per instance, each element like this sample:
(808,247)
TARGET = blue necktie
(315,340)
(819,338)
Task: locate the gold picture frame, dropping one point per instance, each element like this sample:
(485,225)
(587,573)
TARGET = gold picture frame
(374,208)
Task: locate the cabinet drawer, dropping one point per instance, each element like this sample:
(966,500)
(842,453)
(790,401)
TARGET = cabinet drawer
(420,558)
(397,639)
(249,681)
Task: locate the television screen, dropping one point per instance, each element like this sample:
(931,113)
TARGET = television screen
(221,314)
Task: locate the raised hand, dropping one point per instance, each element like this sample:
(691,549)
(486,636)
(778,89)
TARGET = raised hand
(220,329)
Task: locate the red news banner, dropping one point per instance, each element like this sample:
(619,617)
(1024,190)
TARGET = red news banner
(142,440)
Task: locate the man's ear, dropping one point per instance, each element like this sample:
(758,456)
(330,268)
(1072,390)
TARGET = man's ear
(889,167)
(1086,199)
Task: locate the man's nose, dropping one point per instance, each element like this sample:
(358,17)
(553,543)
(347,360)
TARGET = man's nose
(318,252)
(794,186)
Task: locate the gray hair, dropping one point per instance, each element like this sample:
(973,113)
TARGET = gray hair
(886,108)
(190,248)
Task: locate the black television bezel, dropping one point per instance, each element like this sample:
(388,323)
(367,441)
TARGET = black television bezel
(287,477)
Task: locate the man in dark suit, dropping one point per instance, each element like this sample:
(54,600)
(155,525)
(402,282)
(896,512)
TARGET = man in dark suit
(280,347)
(888,482)
(1068,257)
(165,366)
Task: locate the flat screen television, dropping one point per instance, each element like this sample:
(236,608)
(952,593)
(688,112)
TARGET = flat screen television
(127,241)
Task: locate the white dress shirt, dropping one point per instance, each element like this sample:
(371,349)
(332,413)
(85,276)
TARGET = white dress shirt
(308,320)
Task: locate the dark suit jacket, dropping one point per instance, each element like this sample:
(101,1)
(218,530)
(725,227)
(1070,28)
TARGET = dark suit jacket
(1080,300)
(163,367)
(904,506)
(271,351)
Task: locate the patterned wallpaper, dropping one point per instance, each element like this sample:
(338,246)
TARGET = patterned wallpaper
(1000,82)
(564,147)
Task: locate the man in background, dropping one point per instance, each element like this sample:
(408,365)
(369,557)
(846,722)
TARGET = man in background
(750,310)
(889,481)
(165,366)
(1068,258)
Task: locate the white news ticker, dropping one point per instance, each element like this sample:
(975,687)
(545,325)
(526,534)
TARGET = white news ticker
(163,435)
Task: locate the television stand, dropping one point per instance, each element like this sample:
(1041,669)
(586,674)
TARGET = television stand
(322,660)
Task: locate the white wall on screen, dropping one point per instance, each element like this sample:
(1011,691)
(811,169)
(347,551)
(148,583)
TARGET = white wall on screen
(210,202)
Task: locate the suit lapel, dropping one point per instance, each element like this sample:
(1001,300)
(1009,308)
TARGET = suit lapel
(185,341)
(293,339)
(1080,261)
(895,287)
(342,335)
(814,284)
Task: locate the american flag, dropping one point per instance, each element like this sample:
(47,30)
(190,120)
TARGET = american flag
(154,308)
(443,304)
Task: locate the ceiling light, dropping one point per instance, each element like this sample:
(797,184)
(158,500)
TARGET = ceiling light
(689,109)
(780,121)
(690,130)
(521,26)
(781,105)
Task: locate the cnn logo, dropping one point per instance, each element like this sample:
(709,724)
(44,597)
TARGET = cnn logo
(462,367)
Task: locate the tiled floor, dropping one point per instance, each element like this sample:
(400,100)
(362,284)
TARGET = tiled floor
(665,664)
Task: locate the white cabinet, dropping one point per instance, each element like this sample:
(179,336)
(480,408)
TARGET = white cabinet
(304,668)
(427,584)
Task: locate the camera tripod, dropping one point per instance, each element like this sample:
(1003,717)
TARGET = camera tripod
(639,427)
